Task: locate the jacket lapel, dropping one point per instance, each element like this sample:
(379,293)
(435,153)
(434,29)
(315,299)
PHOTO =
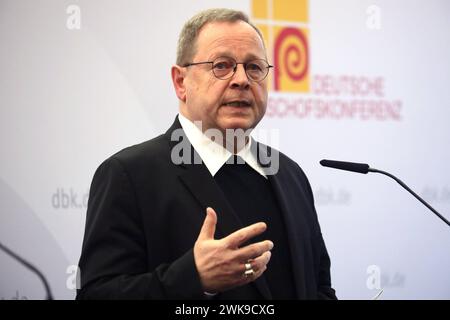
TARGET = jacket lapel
(290,209)
(198,180)
(204,189)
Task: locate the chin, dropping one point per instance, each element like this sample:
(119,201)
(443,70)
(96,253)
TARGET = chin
(237,123)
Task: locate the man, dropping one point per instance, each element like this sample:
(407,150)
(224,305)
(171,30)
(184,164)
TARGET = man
(147,235)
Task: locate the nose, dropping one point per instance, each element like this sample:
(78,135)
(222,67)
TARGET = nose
(240,80)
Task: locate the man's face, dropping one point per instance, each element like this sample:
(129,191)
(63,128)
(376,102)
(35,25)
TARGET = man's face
(209,99)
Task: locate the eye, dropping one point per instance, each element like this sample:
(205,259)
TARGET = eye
(253,66)
(223,64)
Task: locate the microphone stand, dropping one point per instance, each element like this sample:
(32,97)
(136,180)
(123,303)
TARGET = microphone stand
(365,168)
(30,267)
(400,182)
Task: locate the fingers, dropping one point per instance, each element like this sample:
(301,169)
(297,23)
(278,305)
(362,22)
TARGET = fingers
(221,263)
(240,236)
(258,273)
(254,250)
(259,263)
(209,225)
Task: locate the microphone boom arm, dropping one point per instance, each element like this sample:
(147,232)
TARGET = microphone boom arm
(29,266)
(400,182)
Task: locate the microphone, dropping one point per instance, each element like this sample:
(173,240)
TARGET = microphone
(349,166)
(365,168)
(29,266)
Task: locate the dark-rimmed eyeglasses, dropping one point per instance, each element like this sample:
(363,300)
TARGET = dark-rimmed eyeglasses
(225,67)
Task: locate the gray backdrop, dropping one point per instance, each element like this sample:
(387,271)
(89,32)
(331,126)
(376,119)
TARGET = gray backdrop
(80,80)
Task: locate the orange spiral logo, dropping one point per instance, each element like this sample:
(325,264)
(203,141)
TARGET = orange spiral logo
(291,57)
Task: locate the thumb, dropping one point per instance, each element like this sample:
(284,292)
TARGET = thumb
(209,225)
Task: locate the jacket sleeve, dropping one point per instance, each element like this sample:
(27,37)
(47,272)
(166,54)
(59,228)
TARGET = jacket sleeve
(114,257)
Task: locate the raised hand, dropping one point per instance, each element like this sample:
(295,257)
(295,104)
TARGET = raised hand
(221,264)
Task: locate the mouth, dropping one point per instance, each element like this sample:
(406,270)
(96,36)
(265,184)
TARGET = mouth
(238,103)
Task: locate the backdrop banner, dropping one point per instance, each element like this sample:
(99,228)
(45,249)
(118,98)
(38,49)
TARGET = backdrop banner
(354,80)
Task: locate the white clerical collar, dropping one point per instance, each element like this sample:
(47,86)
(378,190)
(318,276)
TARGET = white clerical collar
(213,154)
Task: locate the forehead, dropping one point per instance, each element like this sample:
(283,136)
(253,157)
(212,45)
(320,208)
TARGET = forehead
(229,38)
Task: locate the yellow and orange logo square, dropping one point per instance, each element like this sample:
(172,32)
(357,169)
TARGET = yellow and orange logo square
(284,25)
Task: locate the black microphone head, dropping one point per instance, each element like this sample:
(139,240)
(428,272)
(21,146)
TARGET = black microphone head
(349,166)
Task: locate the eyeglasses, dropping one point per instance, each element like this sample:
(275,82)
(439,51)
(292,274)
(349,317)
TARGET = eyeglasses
(225,67)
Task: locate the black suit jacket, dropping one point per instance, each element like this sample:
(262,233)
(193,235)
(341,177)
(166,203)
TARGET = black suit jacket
(144,216)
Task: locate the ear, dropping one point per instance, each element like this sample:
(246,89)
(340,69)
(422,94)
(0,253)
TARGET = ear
(178,77)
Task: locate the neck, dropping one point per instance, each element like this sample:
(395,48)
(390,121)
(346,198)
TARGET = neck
(234,144)
(232,139)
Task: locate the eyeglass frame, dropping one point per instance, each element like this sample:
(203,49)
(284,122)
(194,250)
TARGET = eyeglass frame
(244,64)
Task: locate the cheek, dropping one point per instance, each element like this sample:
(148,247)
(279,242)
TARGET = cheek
(196,94)
(261,96)
(214,92)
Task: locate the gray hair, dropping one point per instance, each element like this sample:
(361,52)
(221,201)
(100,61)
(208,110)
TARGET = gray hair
(187,41)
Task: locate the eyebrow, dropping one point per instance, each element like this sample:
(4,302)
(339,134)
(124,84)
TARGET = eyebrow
(248,57)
